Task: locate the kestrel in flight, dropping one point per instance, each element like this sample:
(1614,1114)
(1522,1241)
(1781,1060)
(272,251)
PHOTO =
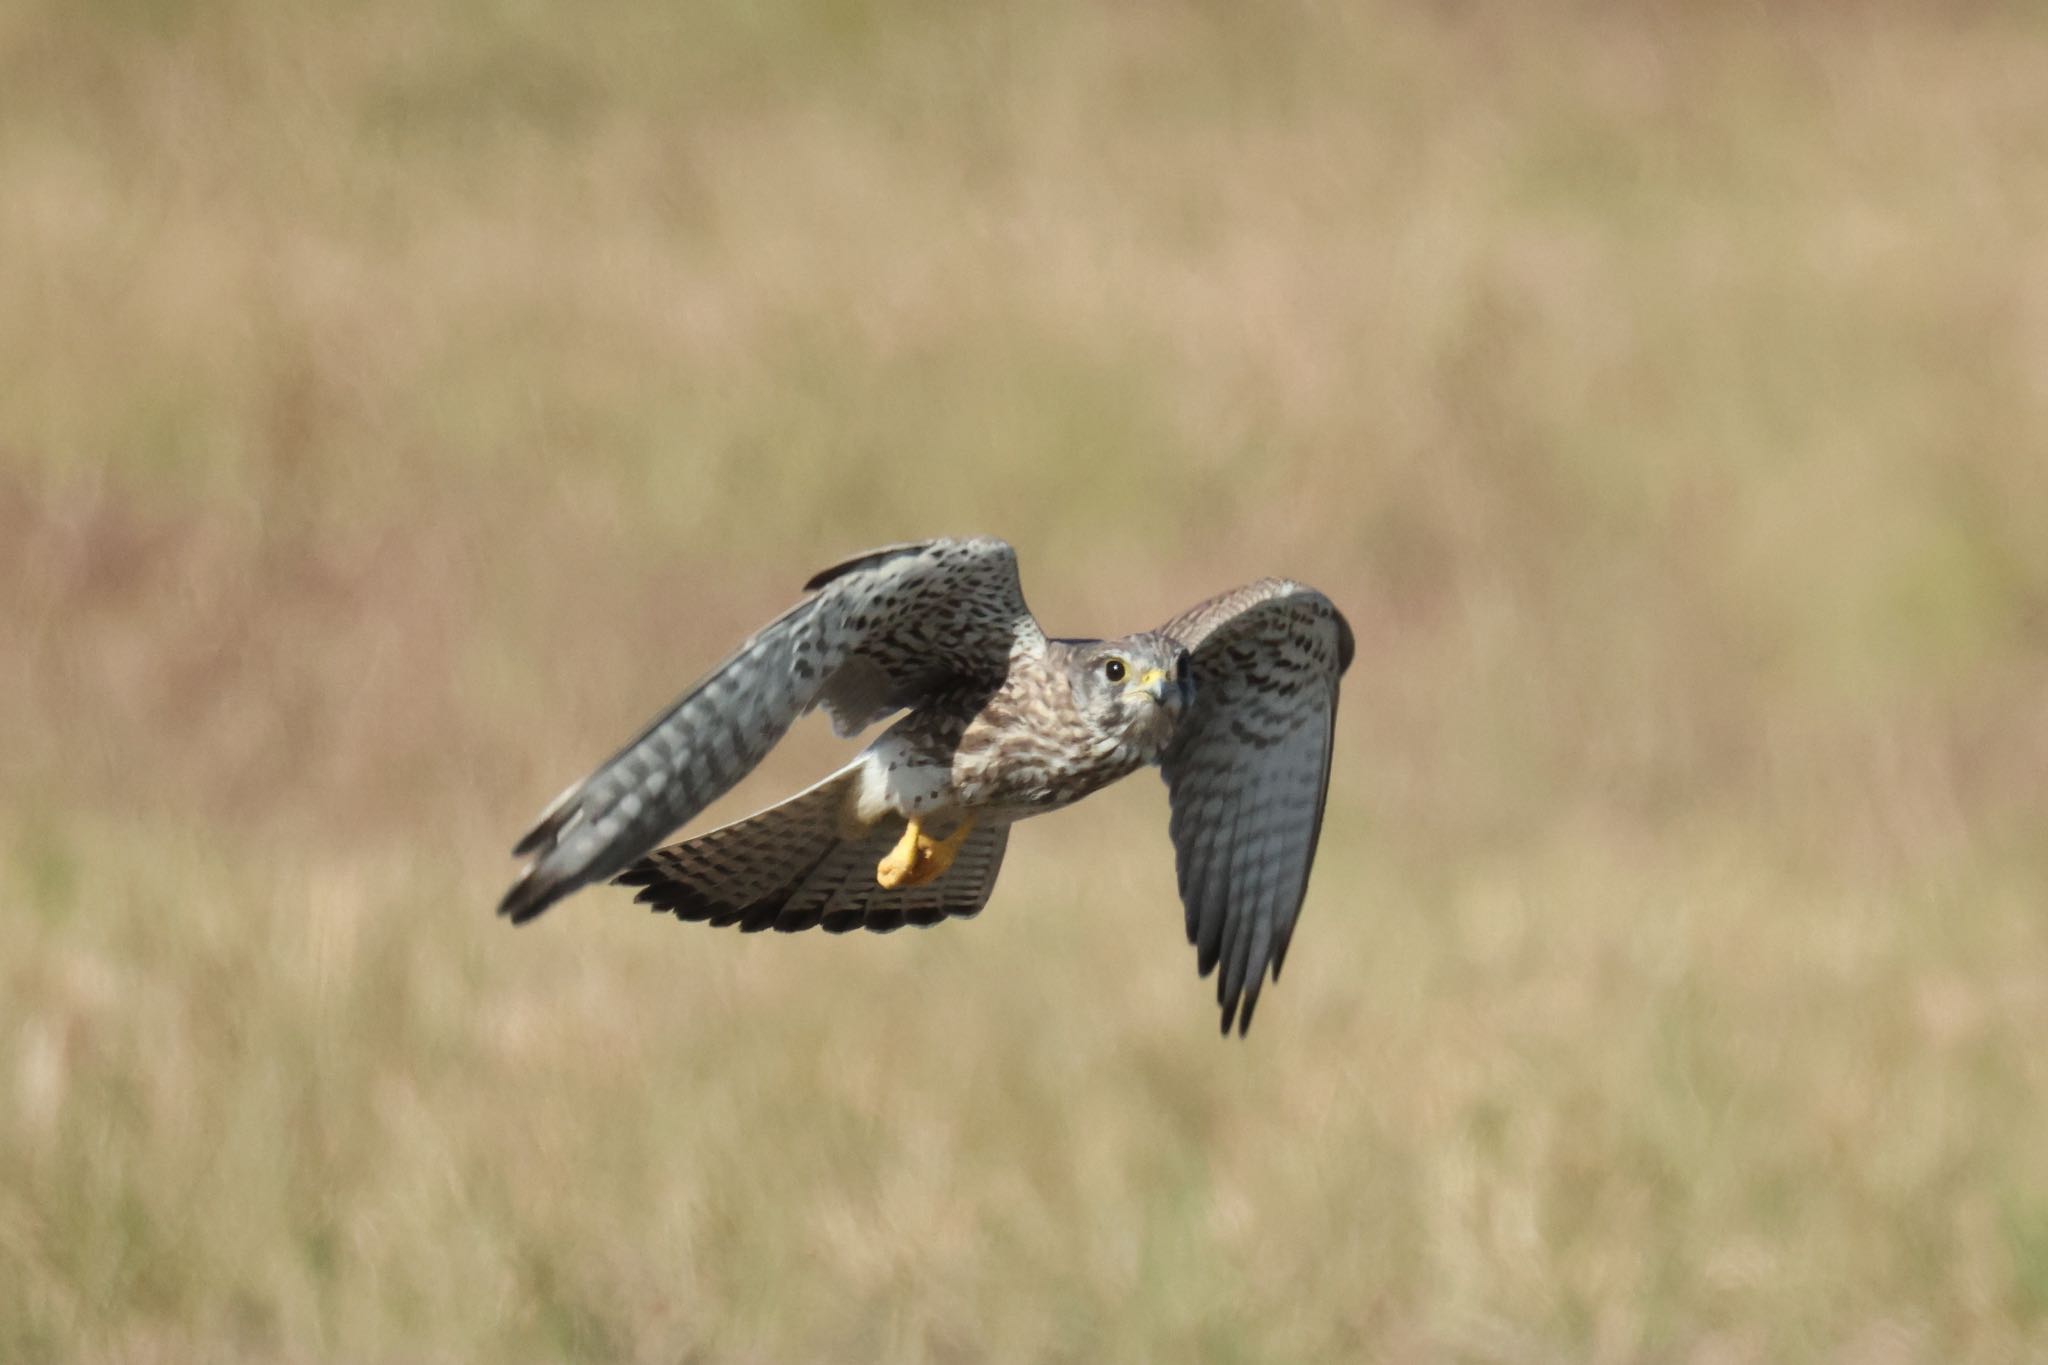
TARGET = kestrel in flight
(1234,699)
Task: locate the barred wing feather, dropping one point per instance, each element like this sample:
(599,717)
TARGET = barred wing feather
(878,633)
(1248,772)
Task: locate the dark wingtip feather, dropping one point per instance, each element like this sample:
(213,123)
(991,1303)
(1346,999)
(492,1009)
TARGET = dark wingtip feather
(530,896)
(1238,1008)
(549,825)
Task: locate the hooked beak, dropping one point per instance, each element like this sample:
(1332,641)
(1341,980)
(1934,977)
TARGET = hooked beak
(1155,683)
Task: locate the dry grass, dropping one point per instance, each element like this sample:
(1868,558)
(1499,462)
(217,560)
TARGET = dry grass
(402,400)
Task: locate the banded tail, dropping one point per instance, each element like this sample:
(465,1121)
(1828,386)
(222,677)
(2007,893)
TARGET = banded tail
(805,864)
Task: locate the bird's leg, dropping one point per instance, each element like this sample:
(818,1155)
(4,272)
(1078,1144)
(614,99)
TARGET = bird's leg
(919,858)
(937,854)
(900,867)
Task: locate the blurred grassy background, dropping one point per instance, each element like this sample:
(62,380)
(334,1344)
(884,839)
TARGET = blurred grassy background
(399,402)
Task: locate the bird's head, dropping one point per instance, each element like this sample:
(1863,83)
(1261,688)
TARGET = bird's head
(1134,689)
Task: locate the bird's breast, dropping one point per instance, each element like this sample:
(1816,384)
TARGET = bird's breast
(1032,763)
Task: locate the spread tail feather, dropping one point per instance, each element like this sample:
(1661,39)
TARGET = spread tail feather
(802,865)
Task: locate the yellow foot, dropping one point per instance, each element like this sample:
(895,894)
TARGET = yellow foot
(918,858)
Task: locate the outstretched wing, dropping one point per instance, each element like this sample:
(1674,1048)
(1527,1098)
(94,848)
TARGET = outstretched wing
(879,633)
(1247,772)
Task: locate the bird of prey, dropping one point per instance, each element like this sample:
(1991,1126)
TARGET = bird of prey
(1234,699)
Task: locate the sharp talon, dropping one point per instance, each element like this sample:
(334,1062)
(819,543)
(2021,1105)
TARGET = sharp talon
(901,864)
(938,854)
(918,858)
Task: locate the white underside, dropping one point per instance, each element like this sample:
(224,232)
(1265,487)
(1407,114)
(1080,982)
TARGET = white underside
(891,784)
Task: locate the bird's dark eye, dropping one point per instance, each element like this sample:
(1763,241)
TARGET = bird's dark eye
(1113,670)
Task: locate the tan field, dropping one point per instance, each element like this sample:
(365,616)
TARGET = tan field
(399,402)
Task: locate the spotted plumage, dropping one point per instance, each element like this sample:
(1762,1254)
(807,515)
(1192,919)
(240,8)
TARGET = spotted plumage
(1234,700)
